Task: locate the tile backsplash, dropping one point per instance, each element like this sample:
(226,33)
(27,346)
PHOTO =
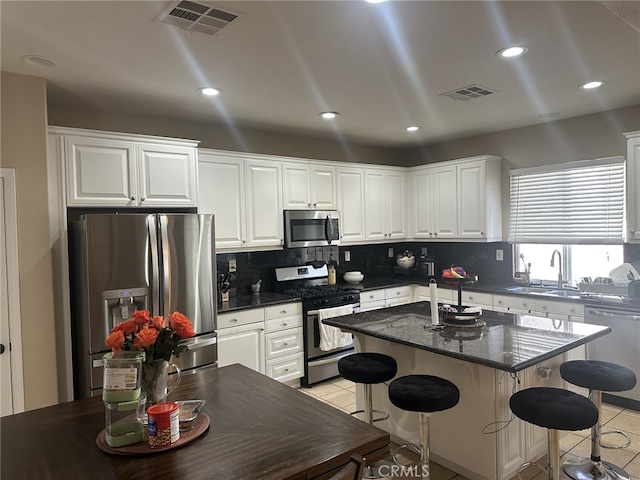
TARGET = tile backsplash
(374,260)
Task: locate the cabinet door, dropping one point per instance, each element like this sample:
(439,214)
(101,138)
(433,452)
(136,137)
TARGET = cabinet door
(396,224)
(221,192)
(295,186)
(323,187)
(264,203)
(351,204)
(633,187)
(244,345)
(445,203)
(374,204)
(471,200)
(422,220)
(167,175)
(100,172)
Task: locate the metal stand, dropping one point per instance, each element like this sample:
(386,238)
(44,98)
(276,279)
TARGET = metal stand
(553,465)
(373,470)
(594,468)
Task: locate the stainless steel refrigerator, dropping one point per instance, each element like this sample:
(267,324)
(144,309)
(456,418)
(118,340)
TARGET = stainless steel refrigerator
(123,262)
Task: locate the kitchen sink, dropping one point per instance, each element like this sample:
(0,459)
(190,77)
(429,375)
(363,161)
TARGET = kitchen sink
(545,291)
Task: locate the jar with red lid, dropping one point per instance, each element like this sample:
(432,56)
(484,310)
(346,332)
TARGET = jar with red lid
(164,424)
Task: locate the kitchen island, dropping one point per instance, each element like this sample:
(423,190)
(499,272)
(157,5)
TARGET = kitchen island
(260,429)
(479,438)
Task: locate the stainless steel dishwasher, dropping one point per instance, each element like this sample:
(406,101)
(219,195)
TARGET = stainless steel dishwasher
(621,346)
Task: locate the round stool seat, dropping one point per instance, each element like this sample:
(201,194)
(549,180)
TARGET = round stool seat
(598,375)
(368,368)
(554,408)
(423,393)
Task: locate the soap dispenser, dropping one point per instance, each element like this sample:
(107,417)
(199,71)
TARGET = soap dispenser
(331,271)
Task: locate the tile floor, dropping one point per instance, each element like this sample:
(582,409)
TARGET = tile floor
(341,394)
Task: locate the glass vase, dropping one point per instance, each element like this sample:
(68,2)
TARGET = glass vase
(153,382)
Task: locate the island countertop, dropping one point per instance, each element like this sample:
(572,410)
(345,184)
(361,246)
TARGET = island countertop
(507,342)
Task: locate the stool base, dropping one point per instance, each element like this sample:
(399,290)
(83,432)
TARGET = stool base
(590,470)
(380,469)
(624,435)
(383,415)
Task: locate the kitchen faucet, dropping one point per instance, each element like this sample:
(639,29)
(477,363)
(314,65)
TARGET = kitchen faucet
(560,281)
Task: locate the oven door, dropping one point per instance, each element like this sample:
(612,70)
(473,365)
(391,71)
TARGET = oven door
(321,365)
(311,228)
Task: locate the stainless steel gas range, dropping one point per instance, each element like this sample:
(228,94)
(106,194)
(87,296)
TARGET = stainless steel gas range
(319,300)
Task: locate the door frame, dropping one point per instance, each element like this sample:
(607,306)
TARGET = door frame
(8,178)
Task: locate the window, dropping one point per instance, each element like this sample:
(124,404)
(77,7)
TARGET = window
(577,261)
(568,203)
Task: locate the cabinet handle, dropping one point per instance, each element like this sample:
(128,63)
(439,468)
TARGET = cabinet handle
(284,324)
(470,297)
(499,302)
(285,344)
(283,312)
(572,309)
(544,307)
(132,198)
(244,241)
(308,205)
(286,369)
(370,297)
(233,320)
(142,199)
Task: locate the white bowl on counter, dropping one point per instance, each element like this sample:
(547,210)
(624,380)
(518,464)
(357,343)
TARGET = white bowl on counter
(405,262)
(353,277)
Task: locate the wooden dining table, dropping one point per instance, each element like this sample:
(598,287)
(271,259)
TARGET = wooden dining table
(259,429)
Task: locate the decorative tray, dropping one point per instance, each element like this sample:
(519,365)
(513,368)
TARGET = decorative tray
(142,448)
(468,280)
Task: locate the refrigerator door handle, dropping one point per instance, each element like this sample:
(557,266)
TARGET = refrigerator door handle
(165,264)
(154,268)
(201,343)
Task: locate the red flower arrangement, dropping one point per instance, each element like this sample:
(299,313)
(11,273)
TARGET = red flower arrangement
(151,335)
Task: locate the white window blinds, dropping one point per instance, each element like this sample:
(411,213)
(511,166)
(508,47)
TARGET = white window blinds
(575,202)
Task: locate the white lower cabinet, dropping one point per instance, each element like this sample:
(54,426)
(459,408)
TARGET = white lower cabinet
(244,345)
(398,295)
(268,340)
(372,300)
(284,342)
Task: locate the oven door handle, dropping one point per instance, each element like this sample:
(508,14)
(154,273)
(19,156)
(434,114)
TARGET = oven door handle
(602,313)
(325,361)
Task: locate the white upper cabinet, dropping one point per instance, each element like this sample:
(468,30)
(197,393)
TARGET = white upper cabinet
(457,200)
(351,204)
(264,203)
(245,195)
(633,185)
(445,202)
(384,204)
(106,169)
(479,199)
(309,186)
(221,192)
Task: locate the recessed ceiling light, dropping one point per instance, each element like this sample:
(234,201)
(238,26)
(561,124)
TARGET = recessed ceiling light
(329,115)
(511,52)
(210,91)
(412,128)
(591,85)
(38,61)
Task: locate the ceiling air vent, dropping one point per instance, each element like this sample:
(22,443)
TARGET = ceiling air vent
(198,17)
(468,93)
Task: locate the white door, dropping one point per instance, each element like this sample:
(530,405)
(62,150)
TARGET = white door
(445,212)
(244,345)
(295,186)
(351,204)
(167,176)
(375,207)
(264,203)
(396,227)
(471,200)
(323,187)
(221,192)
(423,204)
(11,393)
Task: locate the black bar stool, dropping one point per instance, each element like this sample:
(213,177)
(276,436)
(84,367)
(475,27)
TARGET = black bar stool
(368,368)
(424,394)
(554,409)
(598,376)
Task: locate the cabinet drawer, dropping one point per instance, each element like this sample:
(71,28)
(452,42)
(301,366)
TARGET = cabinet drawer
(471,299)
(368,306)
(284,310)
(371,296)
(392,302)
(561,308)
(243,317)
(404,291)
(283,323)
(283,343)
(286,368)
(504,303)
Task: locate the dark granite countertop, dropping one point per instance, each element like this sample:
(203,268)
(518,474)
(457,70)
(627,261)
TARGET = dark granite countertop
(507,342)
(244,302)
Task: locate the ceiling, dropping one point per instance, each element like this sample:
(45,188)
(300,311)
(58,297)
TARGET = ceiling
(381,66)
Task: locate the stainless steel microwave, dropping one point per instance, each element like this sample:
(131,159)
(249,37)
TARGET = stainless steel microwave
(311,228)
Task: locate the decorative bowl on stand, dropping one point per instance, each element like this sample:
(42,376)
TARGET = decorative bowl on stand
(406,262)
(353,277)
